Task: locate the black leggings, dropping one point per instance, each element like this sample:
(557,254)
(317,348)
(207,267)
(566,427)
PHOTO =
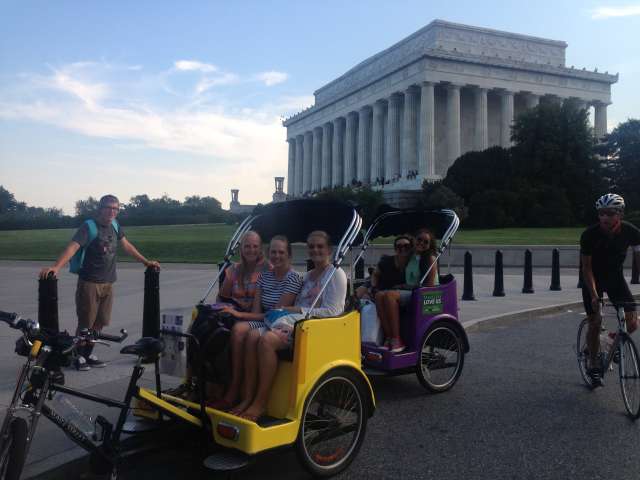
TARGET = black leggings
(617,290)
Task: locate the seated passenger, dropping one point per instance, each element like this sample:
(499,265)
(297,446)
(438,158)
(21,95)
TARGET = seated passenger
(261,362)
(238,288)
(276,288)
(416,265)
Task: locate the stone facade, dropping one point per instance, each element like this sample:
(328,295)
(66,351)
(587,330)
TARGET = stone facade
(405,114)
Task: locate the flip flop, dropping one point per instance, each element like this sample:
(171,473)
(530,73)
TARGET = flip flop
(220,404)
(251,418)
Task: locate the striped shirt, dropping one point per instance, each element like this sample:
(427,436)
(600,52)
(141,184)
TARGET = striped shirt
(272,289)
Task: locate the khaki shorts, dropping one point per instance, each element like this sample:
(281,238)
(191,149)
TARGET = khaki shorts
(93,304)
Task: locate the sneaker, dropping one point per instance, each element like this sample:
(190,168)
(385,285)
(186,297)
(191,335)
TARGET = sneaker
(81,364)
(385,345)
(595,374)
(396,345)
(93,362)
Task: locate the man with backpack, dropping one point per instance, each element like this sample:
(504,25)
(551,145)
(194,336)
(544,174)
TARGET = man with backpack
(92,255)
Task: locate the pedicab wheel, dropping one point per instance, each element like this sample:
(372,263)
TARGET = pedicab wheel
(14,450)
(440,358)
(629,368)
(582,352)
(333,423)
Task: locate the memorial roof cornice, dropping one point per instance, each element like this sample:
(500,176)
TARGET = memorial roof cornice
(435,53)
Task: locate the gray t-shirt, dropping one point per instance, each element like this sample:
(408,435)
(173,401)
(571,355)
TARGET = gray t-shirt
(99,264)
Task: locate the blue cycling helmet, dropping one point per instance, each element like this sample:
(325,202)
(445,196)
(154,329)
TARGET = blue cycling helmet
(610,200)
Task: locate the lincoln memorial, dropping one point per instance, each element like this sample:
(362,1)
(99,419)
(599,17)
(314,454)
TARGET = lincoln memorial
(407,113)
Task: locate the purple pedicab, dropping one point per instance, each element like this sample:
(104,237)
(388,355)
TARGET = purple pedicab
(436,341)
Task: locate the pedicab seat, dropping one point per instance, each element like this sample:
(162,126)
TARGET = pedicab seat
(146,347)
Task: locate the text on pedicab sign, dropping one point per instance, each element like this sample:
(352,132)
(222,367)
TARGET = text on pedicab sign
(431,303)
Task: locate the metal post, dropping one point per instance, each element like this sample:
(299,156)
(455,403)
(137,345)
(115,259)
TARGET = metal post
(48,304)
(528,273)
(468,278)
(635,275)
(498,282)
(151,309)
(555,271)
(359,269)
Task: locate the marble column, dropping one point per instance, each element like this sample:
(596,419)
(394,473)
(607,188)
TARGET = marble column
(364,135)
(600,119)
(408,158)
(532,100)
(350,149)
(377,143)
(392,154)
(481,139)
(426,137)
(506,118)
(307,165)
(453,124)
(326,156)
(291,170)
(316,167)
(337,167)
(299,161)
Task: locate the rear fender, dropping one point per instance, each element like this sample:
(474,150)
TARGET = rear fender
(454,324)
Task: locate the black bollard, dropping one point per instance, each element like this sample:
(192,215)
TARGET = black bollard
(222,275)
(309,265)
(528,273)
(467,294)
(151,309)
(48,304)
(359,269)
(580,280)
(555,271)
(498,282)
(635,275)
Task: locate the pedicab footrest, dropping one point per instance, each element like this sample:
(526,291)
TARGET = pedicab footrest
(226,461)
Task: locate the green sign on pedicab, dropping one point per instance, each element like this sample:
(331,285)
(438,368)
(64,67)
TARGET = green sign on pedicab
(431,303)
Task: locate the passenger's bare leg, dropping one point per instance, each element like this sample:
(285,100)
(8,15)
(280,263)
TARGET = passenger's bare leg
(238,335)
(393,313)
(381,309)
(250,379)
(268,344)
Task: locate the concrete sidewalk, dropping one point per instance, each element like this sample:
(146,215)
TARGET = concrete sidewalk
(182,286)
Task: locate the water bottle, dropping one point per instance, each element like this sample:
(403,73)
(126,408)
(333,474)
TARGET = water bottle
(64,407)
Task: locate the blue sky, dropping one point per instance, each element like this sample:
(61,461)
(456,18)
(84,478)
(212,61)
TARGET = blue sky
(186,98)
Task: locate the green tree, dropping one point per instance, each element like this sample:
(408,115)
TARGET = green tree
(437,195)
(86,208)
(8,202)
(621,148)
(367,199)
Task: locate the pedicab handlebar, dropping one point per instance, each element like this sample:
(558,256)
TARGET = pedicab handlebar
(31,331)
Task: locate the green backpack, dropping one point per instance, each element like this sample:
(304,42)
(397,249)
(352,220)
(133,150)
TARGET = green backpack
(75,264)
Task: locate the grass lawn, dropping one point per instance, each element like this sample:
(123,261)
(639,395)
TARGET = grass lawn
(207,243)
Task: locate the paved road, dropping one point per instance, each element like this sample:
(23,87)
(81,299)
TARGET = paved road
(519,411)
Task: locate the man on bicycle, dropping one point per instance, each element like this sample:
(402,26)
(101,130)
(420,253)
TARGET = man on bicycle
(603,248)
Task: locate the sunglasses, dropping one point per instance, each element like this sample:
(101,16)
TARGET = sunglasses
(403,246)
(608,213)
(114,209)
(423,240)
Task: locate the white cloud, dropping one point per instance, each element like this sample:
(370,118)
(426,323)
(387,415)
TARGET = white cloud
(272,77)
(89,93)
(611,12)
(224,79)
(194,65)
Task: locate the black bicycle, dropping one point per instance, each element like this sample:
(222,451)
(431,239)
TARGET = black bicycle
(623,351)
(41,379)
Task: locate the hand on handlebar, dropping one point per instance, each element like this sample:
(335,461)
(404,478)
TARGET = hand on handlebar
(44,273)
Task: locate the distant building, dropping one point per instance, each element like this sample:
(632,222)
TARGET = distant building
(236,207)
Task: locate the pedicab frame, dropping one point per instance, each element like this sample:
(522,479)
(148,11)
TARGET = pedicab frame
(306,377)
(431,329)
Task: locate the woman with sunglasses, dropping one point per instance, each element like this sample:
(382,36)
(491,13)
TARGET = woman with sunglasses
(280,324)
(420,263)
(392,291)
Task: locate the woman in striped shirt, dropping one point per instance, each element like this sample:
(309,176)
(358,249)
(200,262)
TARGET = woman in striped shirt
(274,289)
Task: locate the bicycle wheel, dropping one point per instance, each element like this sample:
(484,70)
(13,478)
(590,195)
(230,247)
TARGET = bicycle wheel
(333,423)
(440,359)
(13,450)
(582,352)
(629,368)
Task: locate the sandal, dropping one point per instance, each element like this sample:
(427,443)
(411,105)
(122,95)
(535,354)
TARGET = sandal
(181,391)
(220,404)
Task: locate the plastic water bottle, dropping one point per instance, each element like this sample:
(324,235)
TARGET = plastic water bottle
(64,407)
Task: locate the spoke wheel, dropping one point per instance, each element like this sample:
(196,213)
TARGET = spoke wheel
(629,368)
(582,352)
(13,450)
(440,360)
(333,423)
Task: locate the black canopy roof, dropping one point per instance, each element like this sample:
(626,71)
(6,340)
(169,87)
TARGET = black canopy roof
(395,221)
(296,219)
